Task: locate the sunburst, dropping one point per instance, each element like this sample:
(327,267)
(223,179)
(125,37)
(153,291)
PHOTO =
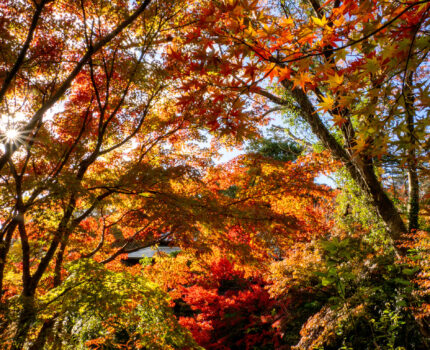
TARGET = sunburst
(10,132)
(12,135)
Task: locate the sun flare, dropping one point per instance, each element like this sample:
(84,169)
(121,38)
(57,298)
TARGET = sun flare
(12,135)
(9,128)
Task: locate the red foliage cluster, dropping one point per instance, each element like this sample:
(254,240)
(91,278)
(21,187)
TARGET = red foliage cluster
(229,311)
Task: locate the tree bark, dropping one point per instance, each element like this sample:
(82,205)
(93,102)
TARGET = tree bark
(4,249)
(412,164)
(26,319)
(43,335)
(360,168)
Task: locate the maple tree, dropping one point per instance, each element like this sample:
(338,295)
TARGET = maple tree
(92,165)
(233,311)
(99,308)
(219,286)
(104,106)
(353,71)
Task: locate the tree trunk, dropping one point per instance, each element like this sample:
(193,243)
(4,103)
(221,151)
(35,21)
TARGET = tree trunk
(361,170)
(382,203)
(413,197)
(26,319)
(43,335)
(4,249)
(413,183)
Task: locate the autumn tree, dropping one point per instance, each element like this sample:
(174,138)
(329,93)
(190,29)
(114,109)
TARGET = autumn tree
(354,72)
(97,306)
(97,158)
(104,105)
(77,60)
(219,284)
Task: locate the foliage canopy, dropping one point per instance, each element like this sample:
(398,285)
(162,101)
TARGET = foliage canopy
(111,113)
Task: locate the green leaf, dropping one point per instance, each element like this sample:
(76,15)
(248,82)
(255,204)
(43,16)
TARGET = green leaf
(326,281)
(410,272)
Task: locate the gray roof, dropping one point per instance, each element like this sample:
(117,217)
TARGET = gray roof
(149,252)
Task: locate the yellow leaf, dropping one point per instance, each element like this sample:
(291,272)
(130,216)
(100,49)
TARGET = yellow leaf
(335,80)
(326,104)
(338,22)
(286,22)
(360,145)
(320,22)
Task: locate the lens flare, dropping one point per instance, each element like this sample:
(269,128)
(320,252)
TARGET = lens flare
(12,135)
(10,130)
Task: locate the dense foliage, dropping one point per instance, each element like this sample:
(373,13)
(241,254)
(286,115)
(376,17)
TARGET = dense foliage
(112,116)
(223,308)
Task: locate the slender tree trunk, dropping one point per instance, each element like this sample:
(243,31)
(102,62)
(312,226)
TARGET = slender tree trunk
(43,335)
(26,319)
(413,182)
(48,325)
(413,197)
(4,249)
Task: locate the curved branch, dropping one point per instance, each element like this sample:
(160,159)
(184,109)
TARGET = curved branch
(66,84)
(24,49)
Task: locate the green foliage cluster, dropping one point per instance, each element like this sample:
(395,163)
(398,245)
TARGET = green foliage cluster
(283,150)
(354,212)
(352,299)
(99,308)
